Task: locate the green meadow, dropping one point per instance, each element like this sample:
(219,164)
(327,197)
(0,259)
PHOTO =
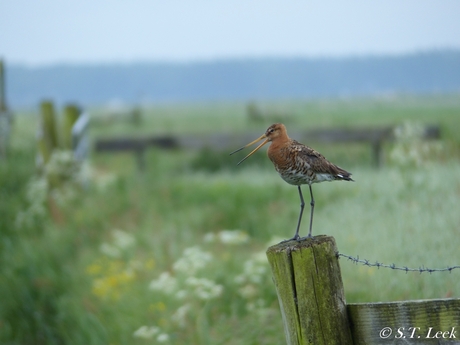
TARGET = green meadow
(175,254)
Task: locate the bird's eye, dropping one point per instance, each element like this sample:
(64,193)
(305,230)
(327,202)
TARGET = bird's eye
(271,130)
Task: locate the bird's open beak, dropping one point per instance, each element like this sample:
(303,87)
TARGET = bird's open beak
(253,151)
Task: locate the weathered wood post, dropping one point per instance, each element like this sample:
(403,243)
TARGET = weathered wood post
(71,114)
(5,116)
(310,291)
(3,106)
(47,136)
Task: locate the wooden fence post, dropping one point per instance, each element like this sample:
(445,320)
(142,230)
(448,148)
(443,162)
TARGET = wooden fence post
(47,136)
(5,115)
(71,114)
(3,106)
(310,291)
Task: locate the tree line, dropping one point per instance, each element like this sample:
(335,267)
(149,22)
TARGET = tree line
(235,79)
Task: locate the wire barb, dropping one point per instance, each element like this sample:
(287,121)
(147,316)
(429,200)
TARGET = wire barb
(421,269)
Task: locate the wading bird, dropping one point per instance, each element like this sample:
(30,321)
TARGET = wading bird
(297,164)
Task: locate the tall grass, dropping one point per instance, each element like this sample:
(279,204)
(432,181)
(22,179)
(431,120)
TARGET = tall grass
(176,254)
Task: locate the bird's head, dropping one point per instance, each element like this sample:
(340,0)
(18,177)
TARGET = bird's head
(273,132)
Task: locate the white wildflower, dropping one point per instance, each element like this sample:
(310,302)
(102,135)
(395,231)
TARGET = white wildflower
(192,260)
(123,239)
(36,194)
(110,250)
(63,166)
(146,332)
(181,294)
(64,194)
(259,309)
(254,271)
(203,288)
(37,190)
(163,338)
(210,237)
(256,305)
(165,283)
(180,315)
(233,237)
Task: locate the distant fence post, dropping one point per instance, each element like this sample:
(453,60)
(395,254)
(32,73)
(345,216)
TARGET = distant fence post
(2,88)
(72,135)
(47,136)
(5,115)
(71,114)
(310,291)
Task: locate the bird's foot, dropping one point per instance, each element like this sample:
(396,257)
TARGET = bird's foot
(295,238)
(309,237)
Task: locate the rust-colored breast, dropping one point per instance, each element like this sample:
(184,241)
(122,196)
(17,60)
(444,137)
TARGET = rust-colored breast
(290,163)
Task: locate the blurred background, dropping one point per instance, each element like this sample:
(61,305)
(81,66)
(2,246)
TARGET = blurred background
(123,220)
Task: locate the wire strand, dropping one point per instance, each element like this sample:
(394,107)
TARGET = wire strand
(421,269)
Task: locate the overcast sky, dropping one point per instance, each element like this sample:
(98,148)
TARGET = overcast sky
(97,31)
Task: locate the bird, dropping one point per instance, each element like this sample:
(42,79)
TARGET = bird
(297,164)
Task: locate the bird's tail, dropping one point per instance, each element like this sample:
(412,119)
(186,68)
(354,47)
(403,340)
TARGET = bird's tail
(343,175)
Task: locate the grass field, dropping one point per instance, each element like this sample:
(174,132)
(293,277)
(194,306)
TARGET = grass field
(176,254)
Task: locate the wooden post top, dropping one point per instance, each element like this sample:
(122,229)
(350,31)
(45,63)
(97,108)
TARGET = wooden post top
(309,285)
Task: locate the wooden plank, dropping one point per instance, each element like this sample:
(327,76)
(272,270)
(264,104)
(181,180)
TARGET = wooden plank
(406,322)
(80,140)
(133,144)
(119,144)
(224,141)
(310,291)
(370,135)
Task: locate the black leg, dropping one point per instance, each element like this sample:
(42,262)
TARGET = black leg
(302,205)
(312,204)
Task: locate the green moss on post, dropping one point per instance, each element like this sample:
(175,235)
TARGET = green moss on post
(310,291)
(71,114)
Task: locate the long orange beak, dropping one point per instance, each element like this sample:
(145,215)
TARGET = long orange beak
(253,151)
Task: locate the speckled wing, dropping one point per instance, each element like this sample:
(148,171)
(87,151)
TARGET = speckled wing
(318,164)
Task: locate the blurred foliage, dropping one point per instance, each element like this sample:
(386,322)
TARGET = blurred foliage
(175,254)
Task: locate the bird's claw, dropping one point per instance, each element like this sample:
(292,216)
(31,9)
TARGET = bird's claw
(295,238)
(298,238)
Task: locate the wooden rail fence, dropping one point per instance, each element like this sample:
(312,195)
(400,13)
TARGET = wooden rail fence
(72,134)
(310,292)
(376,137)
(138,146)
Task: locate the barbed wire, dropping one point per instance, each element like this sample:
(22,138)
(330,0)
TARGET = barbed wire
(422,269)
